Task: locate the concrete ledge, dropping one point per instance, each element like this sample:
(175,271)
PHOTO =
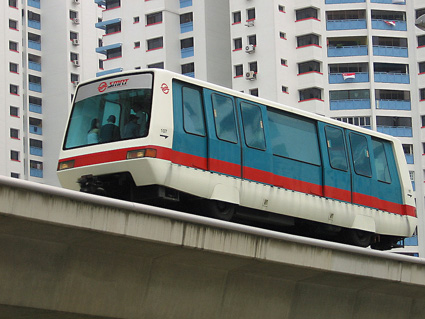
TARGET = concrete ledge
(70,255)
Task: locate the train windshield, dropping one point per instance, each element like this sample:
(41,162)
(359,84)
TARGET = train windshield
(110,110)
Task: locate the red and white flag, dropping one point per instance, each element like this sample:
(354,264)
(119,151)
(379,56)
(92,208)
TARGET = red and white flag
(391,23)
(348,76)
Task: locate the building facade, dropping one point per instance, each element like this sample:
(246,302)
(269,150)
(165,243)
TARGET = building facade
(43,46)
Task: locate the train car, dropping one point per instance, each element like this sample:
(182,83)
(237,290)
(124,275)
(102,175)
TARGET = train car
(153,136)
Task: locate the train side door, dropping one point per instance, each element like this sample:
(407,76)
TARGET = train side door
(224,145)
(359,146)
(190,133)
(336,167)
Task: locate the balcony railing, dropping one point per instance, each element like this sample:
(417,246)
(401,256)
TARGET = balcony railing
(398,131)
(35,108)
(347,51)
(359,104)
(36,130)
(359,77)
(343,1)
(37,151)
(409,158)
(349,24)
(393,105)
(383,77)
(36,87)
(394,25)
(400,52)
(34,24)
(187,52)
(34,45)
(34,3)
(389,1)
(186,27)
(34,66)
(191,74)
(36,172)
(185,3)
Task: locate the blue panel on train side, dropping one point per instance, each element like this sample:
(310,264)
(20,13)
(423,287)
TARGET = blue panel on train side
(184,142)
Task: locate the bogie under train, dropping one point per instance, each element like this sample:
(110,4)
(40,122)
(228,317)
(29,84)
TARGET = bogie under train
(158,137)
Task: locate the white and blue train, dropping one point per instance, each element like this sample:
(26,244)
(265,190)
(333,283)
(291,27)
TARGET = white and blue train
(154,136)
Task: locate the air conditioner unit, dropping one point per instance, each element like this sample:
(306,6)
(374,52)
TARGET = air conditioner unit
(75,42)
(76,83)
(249,23)
(76,62)
(76,1)
(250,48)
(250,75)
(76,21)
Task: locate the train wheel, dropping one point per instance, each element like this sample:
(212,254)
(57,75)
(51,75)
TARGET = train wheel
(220,210)
(358,237)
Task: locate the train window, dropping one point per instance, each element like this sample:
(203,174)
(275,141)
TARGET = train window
(360,153)
(294,137)
(253,126)
(224,117)
(193,113)
(336,148)
(381,162)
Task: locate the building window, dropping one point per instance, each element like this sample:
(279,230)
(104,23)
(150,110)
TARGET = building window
(154,18)
(36,169)
(310,93)
(154,44)
(14,156)
(284,89)
(14,133)
(306,13)
(252,39)
(74,56)
(137,44)
(13,67)
(13,4)
(237,17)
(159,65)
(13,46)
(14,89)
(186,17)
(113,53)
(113,28)
(13,24)
(100,64)
(283,62)
(281,8)
(73,14)
(188,68)
(110,4)
(136,20)
(309,39)
(309,66)
(75,78)
(34,16)
(253,92)
(421,41)
(73,36)
(14,175)
(237,44)
(14,111)
(250,14)
(186,43)
(238,70)
(282,35)
(422,94)
(421,67)
(253,66)
(363,121)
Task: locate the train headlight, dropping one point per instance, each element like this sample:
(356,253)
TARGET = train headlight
(146,152)
(66,165)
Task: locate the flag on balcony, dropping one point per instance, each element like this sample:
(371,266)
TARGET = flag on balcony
(347,76)
(391,23)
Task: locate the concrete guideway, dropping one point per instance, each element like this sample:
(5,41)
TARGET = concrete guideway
(65,254)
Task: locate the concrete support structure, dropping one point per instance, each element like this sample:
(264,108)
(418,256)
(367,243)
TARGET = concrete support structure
(72,255)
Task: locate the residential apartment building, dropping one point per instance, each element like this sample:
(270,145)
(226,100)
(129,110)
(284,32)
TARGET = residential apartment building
(42,48)
(358,61)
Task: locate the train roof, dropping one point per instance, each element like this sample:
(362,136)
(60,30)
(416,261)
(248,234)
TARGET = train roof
(216,87)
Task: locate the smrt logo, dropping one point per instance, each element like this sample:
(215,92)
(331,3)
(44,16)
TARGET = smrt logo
(165,88)
(103,86)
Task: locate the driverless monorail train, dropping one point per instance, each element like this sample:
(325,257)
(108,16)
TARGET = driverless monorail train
(157,137)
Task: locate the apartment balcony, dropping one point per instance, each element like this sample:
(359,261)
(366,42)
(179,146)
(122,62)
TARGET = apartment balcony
(358,50)
(348,24)
(35,172)
(185,3)
(187,52)
(392,25)
(398,131)
(35,108)
(34,3)
(389,1)
(36,87)
(409,158)
(400,78)
(36,129)
(34,45)
(352,104)
(37,151)
(186,27)
(34,24)
(34,66)
(399,52)
(393,105)
(359,77)
(343,1)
